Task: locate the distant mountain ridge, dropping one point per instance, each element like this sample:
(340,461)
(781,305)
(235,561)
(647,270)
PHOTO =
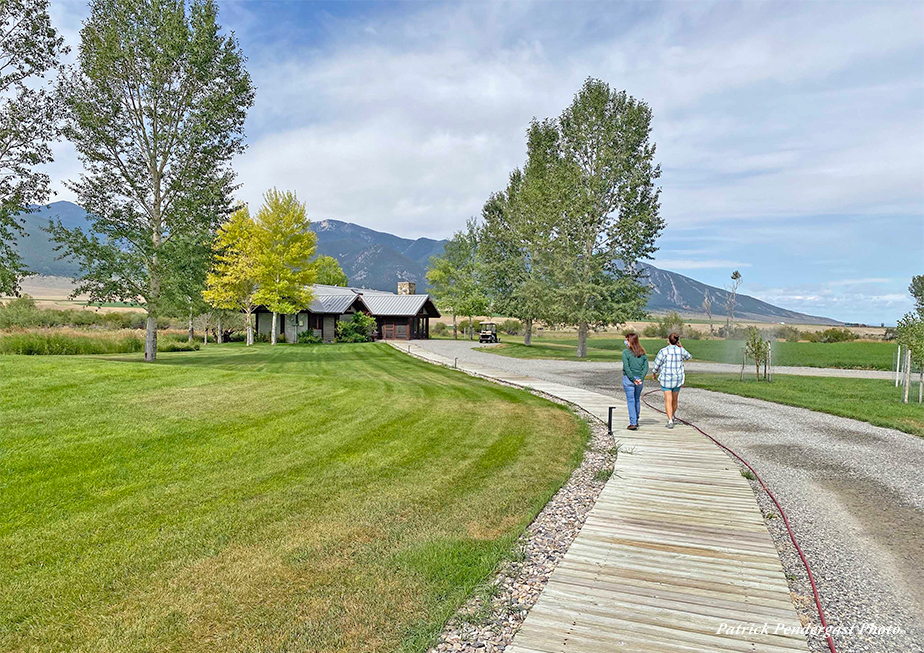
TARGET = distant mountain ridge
(379,260)
(375,259)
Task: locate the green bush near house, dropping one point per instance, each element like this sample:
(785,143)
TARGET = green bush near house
(358,329)
(308,338)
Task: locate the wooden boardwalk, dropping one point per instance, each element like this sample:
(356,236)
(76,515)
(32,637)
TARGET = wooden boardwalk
(674,547)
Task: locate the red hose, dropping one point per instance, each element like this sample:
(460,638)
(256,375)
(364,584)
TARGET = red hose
(792,536)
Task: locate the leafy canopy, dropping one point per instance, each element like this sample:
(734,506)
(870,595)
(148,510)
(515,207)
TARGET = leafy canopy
(590,189)
(232,282)
(29,48)
(155,109)
(329,272)
(454,276)
(285,246)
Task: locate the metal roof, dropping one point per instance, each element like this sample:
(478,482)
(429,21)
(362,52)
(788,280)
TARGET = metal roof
(337,299)
(388,304)
(331,303)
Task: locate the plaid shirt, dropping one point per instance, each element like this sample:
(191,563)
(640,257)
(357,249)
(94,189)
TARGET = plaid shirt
(668,365)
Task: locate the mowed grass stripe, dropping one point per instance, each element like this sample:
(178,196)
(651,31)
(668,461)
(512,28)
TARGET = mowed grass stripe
(296,498)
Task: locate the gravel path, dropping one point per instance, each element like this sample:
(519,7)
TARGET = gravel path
(854,494)
(463,349)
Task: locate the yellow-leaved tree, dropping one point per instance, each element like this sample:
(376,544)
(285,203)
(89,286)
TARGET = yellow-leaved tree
(285,246)
(232,282)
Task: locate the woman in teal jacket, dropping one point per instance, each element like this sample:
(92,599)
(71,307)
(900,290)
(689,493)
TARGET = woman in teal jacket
(634,370)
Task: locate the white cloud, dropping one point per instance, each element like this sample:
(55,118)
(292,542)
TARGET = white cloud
(859,282)
(789,129)
(698,264)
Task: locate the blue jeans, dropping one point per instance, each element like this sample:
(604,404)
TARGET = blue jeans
(633,398)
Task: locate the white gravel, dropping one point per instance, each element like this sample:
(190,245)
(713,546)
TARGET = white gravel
(854,494)
(463,349)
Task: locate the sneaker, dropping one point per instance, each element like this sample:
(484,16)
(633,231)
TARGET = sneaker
(632,427)
(670,424)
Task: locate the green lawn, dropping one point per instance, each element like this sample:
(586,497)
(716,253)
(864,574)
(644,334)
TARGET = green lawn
(289,498)
(608,347)
(870,400)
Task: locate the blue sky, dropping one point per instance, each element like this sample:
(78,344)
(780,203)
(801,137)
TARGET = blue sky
(790,135)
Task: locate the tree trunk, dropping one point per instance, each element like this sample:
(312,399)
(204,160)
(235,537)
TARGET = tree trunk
(921,387)
(470,327)
(275,326)
(192,331)
(205,332)
(219,337)
(150,339)
(583,327)
(528,336)
(249,314)
(455,329)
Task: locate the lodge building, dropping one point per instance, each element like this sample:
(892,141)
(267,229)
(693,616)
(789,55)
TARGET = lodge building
(404,315)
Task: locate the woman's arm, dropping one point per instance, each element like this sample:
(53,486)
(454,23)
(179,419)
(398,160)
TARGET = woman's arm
(659,361)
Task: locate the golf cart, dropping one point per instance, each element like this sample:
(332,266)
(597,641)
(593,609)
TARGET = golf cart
(488,332)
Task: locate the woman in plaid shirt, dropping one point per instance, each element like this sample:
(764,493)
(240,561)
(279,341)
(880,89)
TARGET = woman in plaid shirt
(668,370)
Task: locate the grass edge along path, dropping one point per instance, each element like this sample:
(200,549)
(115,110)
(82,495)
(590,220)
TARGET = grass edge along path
(874,401)
(288,498)
(608,348)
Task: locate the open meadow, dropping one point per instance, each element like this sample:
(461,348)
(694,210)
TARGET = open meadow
(609,346)
(288,498)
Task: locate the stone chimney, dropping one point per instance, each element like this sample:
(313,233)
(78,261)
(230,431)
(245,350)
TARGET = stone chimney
(407,288)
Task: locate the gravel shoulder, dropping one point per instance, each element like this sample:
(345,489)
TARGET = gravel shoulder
(695,366)
(854,494)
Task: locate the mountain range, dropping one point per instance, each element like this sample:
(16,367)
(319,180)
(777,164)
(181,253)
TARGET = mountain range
(378,260)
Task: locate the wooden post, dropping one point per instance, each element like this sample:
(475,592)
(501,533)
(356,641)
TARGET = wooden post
(769,364)
(898,364)
(907,375)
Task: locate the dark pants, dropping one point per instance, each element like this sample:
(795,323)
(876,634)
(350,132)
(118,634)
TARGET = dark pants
(633,398)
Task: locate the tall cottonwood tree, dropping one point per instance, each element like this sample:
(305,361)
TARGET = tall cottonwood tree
(599,206)
(916,288)
(509,268)
(155,109)
(285,247)
(29,49)
(232,282)
(186,280)
(454,277)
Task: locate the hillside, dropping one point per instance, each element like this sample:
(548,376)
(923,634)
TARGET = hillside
(37,250)
(378,260)
(671,291)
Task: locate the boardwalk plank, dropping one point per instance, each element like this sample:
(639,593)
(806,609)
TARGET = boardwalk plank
(674,546)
